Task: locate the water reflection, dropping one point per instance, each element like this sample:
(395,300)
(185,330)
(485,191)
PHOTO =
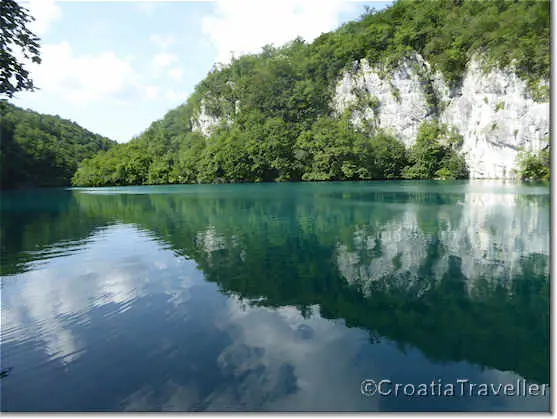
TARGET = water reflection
(239,297)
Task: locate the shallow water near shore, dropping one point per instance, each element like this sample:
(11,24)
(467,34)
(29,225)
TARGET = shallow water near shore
(367,296)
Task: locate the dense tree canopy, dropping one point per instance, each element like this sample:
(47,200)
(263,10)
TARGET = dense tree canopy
(535,166)
(42,150)
(274,108)
(15,33)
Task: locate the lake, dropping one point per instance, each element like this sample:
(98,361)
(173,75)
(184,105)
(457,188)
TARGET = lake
(373,296)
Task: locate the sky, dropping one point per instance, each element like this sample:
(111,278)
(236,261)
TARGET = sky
(115,67)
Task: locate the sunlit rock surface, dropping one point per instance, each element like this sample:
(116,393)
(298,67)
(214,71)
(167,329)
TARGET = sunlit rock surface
(493,111)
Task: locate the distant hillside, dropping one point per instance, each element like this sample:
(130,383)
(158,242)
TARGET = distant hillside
(42,150)
(425,89)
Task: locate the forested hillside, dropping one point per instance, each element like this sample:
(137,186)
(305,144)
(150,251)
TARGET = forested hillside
(268,117)
(42,150)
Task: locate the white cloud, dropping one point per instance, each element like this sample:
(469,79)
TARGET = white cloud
(176,73)
(162,41)
(151,92)
(244,26)
(163,60)
(147,7)
(85,78)
(45,13)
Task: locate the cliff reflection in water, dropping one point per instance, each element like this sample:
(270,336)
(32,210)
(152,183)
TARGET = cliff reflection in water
(459,271)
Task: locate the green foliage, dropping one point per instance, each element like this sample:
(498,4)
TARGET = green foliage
(42,150)
(539,90)
(274,107)
(373,103)
(396,93)
(535,167)
(334,150)
(14,32)
(435,154)
(329,147)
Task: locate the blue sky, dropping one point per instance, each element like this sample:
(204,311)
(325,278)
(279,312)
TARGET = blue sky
(115,67)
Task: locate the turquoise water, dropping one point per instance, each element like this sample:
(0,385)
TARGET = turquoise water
(276,297)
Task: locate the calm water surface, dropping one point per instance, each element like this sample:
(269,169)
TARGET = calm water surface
(275,296)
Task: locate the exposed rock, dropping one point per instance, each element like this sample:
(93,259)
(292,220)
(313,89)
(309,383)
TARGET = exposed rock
(493,111)
(204,122)
(496,117)
(402,103)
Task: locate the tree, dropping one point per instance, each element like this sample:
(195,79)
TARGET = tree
(535,167)
(435,154)
(42,150)
(14,33)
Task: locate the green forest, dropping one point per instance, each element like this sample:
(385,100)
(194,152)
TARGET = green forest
(42,150)
(277,123)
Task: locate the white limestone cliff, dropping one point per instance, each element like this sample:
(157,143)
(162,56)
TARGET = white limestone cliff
(204,122)
(493,110)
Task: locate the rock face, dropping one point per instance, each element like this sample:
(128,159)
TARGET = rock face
(204,122)
(493,111)
(401,102)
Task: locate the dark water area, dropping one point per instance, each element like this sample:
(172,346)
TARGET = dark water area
(373,296)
